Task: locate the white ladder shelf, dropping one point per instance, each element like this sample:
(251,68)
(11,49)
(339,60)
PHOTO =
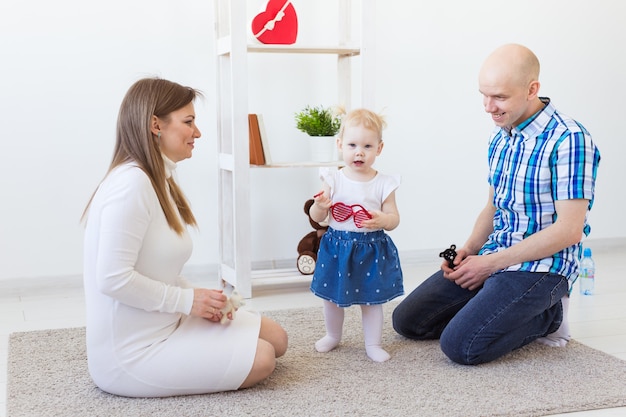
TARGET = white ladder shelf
(232,50)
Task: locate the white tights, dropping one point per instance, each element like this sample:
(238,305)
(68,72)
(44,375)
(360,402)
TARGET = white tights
(372,317)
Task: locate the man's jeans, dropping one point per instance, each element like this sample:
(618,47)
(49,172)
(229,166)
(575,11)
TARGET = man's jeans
(511,310)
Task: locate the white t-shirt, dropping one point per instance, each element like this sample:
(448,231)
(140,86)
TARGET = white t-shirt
(369,194)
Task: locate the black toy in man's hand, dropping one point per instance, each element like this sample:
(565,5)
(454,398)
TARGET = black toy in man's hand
(449,255)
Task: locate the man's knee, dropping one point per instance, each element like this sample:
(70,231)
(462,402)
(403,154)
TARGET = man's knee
(403,322)
(397,321)
(458,347)
(455,351)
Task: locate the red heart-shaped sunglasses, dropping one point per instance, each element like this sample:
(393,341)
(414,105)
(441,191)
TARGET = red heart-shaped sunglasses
(342,212)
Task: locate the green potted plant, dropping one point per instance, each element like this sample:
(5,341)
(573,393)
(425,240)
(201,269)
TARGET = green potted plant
(321,124)
(318,121)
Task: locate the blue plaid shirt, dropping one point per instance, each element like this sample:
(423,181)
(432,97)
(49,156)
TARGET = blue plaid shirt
(546,158)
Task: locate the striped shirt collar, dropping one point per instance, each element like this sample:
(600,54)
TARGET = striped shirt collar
(536,123)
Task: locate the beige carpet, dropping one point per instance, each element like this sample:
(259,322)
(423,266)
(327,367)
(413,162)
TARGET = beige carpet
(47,376)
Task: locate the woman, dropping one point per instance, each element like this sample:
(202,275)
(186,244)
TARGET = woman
(149,333)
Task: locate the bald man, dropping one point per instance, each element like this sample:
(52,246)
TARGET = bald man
(510,281)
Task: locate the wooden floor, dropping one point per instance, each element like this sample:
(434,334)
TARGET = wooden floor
(598,320)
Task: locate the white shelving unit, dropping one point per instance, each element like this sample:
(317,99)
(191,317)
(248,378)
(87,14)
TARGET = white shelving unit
(232,28)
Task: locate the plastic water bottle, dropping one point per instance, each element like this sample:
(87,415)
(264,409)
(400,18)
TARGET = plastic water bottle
(587,273)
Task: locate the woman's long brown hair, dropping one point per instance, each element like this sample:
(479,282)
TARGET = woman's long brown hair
(135,142)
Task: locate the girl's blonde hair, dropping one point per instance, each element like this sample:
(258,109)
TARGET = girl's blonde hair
(366,118)
(135,142)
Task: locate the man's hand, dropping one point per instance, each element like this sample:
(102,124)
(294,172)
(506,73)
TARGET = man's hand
(469,272)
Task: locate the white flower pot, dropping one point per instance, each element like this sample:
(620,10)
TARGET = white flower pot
(323,148)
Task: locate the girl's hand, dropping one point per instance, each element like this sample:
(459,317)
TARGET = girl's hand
(321,201)
(321,204)
(379,221)
(208,304)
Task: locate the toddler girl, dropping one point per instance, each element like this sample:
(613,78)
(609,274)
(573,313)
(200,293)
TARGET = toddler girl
(357,262)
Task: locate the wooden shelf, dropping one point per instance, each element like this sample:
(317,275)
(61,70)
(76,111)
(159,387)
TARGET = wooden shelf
(224,48)
(305,164)
(288,49)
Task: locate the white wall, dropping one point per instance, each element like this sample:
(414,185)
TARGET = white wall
(66,65)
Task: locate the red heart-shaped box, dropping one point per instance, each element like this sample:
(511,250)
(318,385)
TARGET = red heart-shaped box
(278,24)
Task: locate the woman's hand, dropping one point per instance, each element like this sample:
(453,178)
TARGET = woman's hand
(208,304)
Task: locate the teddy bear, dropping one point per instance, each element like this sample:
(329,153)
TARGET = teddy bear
(232,304)
(449,255)
(309,244)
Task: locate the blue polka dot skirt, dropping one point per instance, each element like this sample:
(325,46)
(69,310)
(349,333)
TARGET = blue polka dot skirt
(357,268)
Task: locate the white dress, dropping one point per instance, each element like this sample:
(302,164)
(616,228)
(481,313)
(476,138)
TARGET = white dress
(140,340)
